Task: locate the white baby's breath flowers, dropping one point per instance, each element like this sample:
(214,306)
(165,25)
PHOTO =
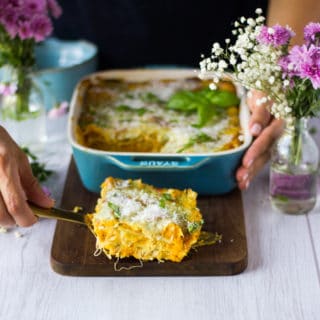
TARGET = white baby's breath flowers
(271,80)
(252,64)
(213,86)
(286,83)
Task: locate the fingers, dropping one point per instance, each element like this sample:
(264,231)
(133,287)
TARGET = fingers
(17,185)
(245,175)
(13,195)
(263,142)
(260,115)
(5,218)
(258,153)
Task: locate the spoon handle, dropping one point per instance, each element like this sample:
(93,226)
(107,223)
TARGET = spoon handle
(57,213)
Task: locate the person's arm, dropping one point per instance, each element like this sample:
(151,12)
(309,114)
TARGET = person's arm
(17,185)
(296,14)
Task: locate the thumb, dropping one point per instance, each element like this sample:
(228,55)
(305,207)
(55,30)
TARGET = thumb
(37,195)
(260,115)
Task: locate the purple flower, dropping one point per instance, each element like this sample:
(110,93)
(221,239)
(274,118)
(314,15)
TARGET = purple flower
(46,191)
(304,62)
(9,19)
(28,18)
(284,63)
(35,6)
(54,8)
(59,111)
(310,66)
(25,31)
(311,32)
(275,36)
(41,27)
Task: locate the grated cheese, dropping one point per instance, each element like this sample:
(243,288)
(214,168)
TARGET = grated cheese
(130,116)
(3,230)
(163,226)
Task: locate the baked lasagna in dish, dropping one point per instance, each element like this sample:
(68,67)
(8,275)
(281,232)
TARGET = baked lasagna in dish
(133,219)
(164,116)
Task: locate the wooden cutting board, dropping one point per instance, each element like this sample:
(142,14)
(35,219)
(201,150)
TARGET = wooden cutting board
(73,244)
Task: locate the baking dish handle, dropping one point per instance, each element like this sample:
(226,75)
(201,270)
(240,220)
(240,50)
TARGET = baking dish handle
(158,163)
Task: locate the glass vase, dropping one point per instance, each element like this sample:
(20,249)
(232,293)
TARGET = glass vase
(293,170)
(22,111)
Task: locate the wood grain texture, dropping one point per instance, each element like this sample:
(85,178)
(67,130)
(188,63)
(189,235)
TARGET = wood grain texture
(73,245)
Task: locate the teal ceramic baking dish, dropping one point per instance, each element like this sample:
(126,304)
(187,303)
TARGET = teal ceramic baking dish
(207,174)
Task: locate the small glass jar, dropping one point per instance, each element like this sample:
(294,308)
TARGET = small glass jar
(22,111)
(293,170)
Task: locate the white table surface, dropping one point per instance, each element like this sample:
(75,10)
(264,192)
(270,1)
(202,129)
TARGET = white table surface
(280,282)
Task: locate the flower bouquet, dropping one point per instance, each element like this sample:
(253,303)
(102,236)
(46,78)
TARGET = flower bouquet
(262,58)
(22,25)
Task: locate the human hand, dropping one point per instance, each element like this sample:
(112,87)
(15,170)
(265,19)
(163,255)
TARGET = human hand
(17,185)
(266,130)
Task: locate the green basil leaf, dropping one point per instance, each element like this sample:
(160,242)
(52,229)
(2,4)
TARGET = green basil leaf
(139,111)
(194,226)
(123,107)
(199,138)
(205,113)
(150,97)
(115,209)
(222,98)
(206,102)
(184,101)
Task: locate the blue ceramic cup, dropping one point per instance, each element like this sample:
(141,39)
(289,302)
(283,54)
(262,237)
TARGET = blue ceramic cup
(60,64)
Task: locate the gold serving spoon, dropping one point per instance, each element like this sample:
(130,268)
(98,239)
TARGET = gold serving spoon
(57,213)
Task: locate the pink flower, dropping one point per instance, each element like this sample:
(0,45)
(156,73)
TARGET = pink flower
(311,32)
(54,8)
(59,111)
(275,36)
(303,62)
(46,191)
(25,31)
(7,89)
(9,19)
(28,18)
(35,6)
(310,66)
(41,27)
(284,64)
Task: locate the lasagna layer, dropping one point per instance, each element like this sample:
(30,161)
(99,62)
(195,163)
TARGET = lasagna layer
(163,116)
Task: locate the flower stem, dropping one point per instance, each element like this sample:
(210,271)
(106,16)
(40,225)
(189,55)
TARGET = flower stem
(297,146)
(23,92)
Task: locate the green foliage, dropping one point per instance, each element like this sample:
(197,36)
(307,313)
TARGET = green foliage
(16,52)
(38,169)
(303,99)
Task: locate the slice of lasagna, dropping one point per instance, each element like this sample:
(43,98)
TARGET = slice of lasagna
(133,219)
